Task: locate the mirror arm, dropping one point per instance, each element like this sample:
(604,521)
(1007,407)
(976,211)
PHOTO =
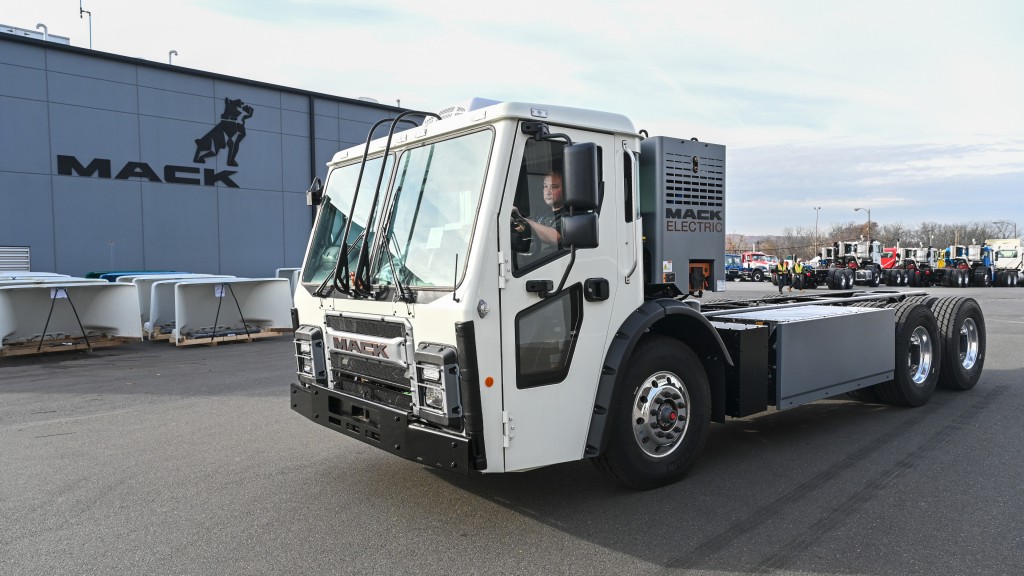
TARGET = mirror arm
(565,275)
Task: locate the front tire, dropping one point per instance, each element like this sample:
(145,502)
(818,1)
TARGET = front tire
(757,275)
(661,414)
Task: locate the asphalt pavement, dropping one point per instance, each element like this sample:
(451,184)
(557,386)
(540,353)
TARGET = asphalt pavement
(151,459)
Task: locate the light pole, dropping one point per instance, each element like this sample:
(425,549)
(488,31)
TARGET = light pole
(1002,223)
(868,210)
(816,210)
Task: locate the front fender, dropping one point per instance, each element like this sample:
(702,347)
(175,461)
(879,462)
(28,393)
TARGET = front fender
(665,316)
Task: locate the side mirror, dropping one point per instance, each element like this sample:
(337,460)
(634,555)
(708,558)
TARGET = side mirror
(580,230)
(581,178)
(315,193)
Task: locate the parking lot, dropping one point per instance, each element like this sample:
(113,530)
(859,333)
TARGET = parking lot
(151,459)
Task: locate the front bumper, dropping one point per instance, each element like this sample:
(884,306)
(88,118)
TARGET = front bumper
(382,427)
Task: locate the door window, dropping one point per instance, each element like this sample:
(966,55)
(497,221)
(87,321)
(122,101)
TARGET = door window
(537,209)
(546,335)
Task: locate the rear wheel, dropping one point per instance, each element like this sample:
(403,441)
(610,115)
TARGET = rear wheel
(660,417)
(962,332)
(918,356)
(876,274)
(982,276)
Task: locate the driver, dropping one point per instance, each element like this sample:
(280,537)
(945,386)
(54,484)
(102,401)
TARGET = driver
(548,225)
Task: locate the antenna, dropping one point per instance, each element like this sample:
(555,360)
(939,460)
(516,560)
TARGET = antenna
(171,55)
(455,280)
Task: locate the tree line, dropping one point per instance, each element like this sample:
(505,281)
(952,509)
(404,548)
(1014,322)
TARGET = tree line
(801,241)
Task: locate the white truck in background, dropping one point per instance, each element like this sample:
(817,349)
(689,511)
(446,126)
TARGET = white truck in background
(1008,260)
(436,320)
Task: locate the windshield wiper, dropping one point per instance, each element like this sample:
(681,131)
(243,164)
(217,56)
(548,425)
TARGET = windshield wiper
(363,265)
(405,294)
(339,276)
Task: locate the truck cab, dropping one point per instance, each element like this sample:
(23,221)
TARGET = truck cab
(758,265)
(733,267)
(1007,260)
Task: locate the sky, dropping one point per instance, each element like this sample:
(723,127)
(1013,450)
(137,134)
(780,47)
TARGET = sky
(912,109)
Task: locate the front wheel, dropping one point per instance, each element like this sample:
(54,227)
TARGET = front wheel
(757,275)
(661,414)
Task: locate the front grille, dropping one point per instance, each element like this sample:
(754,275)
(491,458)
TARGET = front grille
(390,373)
(374,392)
(376,328)
(685,187)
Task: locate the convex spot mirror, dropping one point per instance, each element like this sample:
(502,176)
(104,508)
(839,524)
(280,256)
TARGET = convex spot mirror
(580,230)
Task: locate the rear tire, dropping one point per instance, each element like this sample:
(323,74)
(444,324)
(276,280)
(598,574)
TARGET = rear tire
(962,332)
(918,357)
(661,414)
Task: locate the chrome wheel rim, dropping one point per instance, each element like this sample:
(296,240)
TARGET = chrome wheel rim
(661,414)
(969,344)
(920,355)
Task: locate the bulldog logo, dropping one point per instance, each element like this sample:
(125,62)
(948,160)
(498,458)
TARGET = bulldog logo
(228,133)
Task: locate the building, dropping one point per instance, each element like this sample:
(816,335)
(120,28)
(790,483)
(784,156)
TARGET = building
(116,163)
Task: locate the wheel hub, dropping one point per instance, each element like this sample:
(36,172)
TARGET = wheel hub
(969,344)
(919,358)
(660,414)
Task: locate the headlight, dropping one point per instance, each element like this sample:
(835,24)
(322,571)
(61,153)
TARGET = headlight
(433,397)
(437,382)
(309,356)
(431,373)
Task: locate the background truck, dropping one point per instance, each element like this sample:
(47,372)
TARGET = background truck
(734,268)
(453,312)
(843,266)
(953,268)
(1007,260)
(757,266)
(916,265)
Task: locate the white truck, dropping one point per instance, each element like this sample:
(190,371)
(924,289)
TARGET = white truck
(437,320)
(1008,261)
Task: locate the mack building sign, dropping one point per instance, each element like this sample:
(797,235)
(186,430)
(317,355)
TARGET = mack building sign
(227,134)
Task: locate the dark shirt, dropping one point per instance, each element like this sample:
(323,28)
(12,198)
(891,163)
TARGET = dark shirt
(552,219)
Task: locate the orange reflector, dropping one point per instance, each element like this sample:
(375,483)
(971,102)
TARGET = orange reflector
(489,382)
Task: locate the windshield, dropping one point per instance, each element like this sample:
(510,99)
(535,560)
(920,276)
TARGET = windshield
(731,260)
(1006,254)
(326,244)
(437,193)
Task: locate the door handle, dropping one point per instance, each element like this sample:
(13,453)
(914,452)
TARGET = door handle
(539,286)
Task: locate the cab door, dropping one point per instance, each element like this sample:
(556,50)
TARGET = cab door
(552,346)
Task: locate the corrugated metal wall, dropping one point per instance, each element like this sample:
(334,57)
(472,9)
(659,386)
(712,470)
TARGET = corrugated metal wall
(112,163)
